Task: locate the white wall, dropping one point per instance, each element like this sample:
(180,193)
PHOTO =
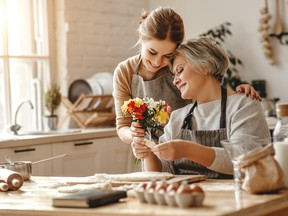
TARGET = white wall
(201,15)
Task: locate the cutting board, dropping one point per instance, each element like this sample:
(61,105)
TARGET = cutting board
(188,178)
(174,179)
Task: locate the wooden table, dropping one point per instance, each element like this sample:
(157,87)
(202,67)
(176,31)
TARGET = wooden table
(34,199)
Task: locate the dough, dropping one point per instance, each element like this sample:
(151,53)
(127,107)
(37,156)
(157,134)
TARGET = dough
(135,176)
(82,187)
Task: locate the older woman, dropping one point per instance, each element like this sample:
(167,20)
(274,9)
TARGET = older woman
(191,140)
(147,74)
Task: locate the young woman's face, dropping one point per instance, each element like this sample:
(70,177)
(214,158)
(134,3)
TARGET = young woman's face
(156,53)
(187,79)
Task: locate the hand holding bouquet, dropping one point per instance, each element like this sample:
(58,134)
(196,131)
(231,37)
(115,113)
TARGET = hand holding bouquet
(151,114)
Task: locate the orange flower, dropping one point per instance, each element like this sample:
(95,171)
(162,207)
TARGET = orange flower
(150,113)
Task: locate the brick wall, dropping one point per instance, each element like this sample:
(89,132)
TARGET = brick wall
(98,34)
(93,36)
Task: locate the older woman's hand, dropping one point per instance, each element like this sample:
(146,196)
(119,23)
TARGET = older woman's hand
(139,148)
(136,130)
(248,90)
(171,150)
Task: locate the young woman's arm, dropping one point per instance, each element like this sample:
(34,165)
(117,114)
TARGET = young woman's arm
(122,92)
(127,134)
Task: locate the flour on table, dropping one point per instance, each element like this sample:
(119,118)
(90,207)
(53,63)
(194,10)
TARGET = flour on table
(99,177)
(53,185)
(135,176)
(82,187)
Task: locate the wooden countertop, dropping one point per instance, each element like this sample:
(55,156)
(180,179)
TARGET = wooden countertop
(7,141)
(33,199)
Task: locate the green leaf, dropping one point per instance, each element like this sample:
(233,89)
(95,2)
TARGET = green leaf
(219,34)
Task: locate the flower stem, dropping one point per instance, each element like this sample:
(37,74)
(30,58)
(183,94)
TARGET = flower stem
(136,161)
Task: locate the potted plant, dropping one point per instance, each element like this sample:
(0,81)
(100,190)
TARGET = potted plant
(52,102)
(219,34)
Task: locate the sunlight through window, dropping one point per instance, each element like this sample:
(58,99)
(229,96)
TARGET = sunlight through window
(24,61)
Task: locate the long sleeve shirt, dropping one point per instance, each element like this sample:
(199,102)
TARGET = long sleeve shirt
(244,119)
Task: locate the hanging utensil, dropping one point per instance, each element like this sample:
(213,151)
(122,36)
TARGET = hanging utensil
(277,25)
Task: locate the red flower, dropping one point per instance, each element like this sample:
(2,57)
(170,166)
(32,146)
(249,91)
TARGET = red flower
(143,108)
(139,116)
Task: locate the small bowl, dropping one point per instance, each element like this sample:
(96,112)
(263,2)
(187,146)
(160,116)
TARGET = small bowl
(160,198)
(24,168)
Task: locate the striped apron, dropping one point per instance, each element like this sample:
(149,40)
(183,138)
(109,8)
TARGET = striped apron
(210,138)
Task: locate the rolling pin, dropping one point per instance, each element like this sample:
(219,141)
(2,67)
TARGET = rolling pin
(13,179)
(3,185)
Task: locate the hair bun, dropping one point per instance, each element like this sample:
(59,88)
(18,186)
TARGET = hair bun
(144,15)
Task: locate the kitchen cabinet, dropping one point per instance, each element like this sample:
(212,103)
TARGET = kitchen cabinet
(87,157)
(31,153)
(89,152)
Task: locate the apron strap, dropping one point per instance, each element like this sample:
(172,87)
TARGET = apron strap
(223,107)
(138,65)
(187,124)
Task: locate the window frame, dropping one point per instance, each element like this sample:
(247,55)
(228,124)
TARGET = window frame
(41,8)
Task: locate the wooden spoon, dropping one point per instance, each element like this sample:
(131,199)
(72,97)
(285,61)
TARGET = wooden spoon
(277,25)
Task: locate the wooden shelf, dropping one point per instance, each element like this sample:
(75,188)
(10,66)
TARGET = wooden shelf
(90,110)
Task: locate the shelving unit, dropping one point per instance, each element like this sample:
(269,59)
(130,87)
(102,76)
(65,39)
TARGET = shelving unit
(89,110)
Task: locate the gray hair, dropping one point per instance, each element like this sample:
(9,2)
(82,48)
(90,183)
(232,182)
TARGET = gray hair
(203,53)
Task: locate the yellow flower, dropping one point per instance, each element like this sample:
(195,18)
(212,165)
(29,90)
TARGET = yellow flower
(138,102)
(149,113)
(162,117)
(124,107)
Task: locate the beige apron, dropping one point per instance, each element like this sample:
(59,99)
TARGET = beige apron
(161,88)
(209,138)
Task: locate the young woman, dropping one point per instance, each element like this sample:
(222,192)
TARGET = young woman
(147,75)
(191,140)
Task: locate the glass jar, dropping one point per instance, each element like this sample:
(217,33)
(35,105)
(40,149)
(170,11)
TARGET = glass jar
(280,138)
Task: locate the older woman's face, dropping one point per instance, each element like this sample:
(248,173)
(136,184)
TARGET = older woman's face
(187,79)
(156,53)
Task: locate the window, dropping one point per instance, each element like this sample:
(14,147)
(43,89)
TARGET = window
(24,61)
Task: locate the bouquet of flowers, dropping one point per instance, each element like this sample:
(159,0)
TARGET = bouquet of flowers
(151,114)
